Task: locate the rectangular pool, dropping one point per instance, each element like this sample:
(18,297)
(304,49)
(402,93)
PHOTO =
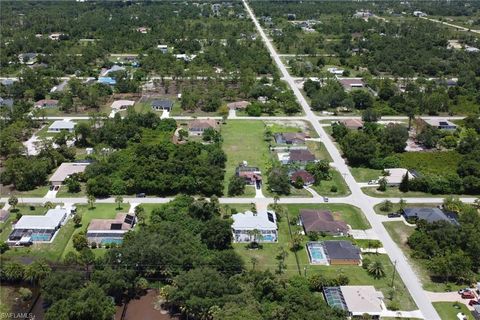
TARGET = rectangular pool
(317,253)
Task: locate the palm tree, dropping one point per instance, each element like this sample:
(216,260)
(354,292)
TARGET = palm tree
(376,270)
(254,262)
(402,203)
(49,205)
(13,201)
(375,244)
(255,234)
(36,271)
(91,202)
(119,201)
(140,214)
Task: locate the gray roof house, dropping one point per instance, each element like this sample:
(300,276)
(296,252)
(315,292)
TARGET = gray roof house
(342,252)
(6,103)
(429,214)
(162,105)
(61,125)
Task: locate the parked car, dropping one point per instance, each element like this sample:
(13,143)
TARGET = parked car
(394,215)
(473,302)
(141,195)
(468,295)
(325,199)
(461,291)
(373,182)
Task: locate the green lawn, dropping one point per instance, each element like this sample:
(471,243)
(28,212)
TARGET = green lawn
(101,211)
(63,192)
(400,232)
(319,150)
(50,251)
(350,214)
(325,187)
(243,140)
(447,310)
(396,207)
(37,192)
(430,162)
(365,174)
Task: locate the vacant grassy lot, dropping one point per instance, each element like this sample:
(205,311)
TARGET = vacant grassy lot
(400,232)
(350,214)
(63,192)
(447,310)
(394,192)
(365,174)
(430,162)
(396,207)
(244,141)
(101,211)
(319,150)
(325,187)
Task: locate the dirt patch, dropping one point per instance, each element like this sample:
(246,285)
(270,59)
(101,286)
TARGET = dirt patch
(145,308)
(290,123)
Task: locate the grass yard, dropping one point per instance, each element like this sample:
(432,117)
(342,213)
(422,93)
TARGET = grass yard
(447,310)
(396,207)
(431,162)
(325,187)
(394,192)
(49,251)
(101,211)
(63,192)
(24,209)
(37,192)
(365,174)
(400,232)
(350,214)
(319,150)
(244,141)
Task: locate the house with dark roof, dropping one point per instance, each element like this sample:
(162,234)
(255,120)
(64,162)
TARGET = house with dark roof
(251,175)
(110,230)
(301,156)
(46,103)
(290,138)
(342,252)
(430,215)
(322,221)
(238,105)
(305,176)
(352,124)
(160,105)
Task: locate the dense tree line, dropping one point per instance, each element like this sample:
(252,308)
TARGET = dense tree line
(451,250)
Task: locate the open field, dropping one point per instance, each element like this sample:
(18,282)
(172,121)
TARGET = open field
(394,192)
(396,207)
(244,141)
(319,150)
(430,162)
(325,187)
(365,174)
(447,310)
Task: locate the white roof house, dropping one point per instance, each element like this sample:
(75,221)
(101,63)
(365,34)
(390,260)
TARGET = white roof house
(122,104)
(65,170)
(335,70)
(264,221)
(395,176)
(60,125)
(363,299)
(51,220)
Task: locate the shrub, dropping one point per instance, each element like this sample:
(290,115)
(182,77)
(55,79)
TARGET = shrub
(333,189)
(393,305)
(94,245)
(313,235)
(25,293)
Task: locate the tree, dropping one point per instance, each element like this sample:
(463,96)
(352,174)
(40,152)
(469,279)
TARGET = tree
(13,201)
(402,204)
(253,261)
(89,302)
(4,247)
(382,184)
(217,234)
(91,202)
(296,242)
(77,219)
(255,235)
(404,184)
(80,241)
(36,271)
(140,214)
(280,257)
(376,270)
(370,115)
(362,99)
(73,184)
(386,206)
(236,186)
(278,181)
(119,201)
(49,205)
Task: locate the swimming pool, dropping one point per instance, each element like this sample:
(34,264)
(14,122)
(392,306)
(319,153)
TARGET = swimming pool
(316,253)
(268,238)
(111,240)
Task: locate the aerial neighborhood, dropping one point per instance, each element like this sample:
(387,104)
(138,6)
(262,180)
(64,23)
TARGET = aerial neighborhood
(241,159)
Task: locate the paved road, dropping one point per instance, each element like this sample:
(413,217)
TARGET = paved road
(451,25)
(405,271)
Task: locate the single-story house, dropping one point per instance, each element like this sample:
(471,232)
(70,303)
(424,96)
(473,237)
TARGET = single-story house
(198,126)
(322,221)
(55,36)
(160,105)
(163,48)
(351,83)
(28,58)
(185,57)
(342,252)
(110,230)
(122,104)
(395,175)
(8,103)
(336,71)
(7,82)
(244,223)
(352,124)
(61,125)
(29,229)
(356,300)
(442,124)
(59,87)
(252,175)
(114,68)
(290,138)
(301,156)
(4,214)
(46,103)
(65,170)
(307,177)
(238,105)
(432,214)
(107,80)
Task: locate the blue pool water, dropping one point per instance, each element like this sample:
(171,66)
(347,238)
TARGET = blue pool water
(111,240)
(40,237)
(268,237)
(316,253)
